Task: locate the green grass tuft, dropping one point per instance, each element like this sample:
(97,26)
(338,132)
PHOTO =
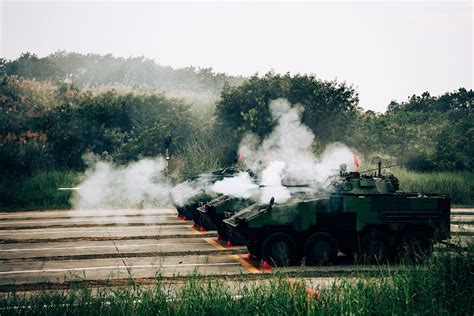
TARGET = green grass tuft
(459,186)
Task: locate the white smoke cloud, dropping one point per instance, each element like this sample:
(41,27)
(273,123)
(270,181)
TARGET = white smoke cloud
(240,186)
(271,183)
(287,154)
(140,184)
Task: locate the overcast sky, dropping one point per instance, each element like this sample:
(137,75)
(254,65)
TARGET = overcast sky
(388,50)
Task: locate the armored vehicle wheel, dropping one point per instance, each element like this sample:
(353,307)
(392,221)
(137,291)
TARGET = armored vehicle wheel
(279,250)
(255,249)
(375,246)
(416,246)
(320,249)
(186,212)
(204,222)
(222,233)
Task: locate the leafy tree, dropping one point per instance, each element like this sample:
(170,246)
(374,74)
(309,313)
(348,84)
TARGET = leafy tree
(30,66)
(327,105)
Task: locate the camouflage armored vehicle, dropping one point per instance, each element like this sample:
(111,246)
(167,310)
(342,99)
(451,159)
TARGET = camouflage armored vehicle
(364,214)
(214,212)
(202,196)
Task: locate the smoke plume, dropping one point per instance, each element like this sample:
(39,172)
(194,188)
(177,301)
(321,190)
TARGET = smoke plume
(240,186)
(140,184)
(286,155)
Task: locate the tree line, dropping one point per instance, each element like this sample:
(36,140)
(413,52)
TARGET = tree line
(52,112)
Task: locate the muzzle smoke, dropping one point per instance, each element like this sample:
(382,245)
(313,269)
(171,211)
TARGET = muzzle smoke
(284,157)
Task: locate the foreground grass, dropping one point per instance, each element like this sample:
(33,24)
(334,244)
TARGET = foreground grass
(444,285)
(39,191)
(459,186)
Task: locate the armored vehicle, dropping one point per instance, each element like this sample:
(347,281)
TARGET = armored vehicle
(214,212)
(364,214)
(202,196)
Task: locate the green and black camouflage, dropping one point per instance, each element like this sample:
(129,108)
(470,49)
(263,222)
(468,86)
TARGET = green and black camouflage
(363,214)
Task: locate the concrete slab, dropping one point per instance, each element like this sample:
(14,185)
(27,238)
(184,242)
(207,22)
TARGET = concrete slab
(113,268)
(87,213)
(104,249)
(92,221)
(101,233)
(112,245)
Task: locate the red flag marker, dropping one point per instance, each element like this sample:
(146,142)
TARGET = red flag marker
(266,266)
(356,161)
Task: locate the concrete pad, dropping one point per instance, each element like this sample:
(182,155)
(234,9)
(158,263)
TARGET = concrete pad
(109,269)
(462,229)
(89,233)
(87,213)
(109,249)
(92,221)
(462,219)
(462,211)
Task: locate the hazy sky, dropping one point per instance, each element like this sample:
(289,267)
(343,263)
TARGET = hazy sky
(388,50)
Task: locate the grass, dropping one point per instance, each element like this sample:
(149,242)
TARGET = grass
(441,286)
(39,191)
(459,186)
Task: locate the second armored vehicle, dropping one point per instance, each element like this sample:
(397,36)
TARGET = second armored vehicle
(214,212)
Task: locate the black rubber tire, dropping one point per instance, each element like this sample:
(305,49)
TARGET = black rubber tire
(279,250)
(203,222)
(320,249)
(186,213)
(376,247)
(255,249)
(416,246)
(222,233)
(195,215)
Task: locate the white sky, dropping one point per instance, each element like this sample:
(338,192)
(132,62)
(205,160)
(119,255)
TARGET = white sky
(388,50)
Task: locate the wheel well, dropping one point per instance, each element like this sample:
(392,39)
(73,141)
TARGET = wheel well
(268,230)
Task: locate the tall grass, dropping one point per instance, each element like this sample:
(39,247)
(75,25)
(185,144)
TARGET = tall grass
(199,158)
(459,186)
(39,191)
(442,286)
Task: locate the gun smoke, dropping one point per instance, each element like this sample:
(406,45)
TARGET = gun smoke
(285,157)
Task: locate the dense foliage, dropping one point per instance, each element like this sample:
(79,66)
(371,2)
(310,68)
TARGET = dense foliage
(36,136)
(55,109)
(328,105)
(134,72)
